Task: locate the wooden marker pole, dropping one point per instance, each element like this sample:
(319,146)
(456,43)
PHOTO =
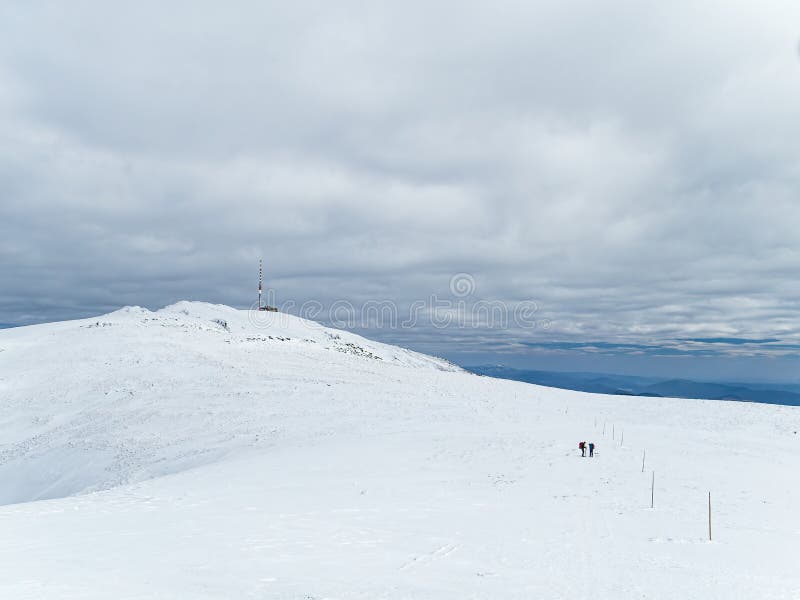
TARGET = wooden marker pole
(613,431)
(622,438)
(644,453)
(709,516)
(653,491)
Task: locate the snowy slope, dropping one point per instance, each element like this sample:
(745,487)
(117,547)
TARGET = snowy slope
(204,452)
(133,394)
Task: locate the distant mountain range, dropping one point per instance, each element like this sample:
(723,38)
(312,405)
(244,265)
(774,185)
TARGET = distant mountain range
(601,383)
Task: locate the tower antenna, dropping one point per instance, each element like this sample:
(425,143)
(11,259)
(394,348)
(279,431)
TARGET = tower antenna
(260,280)
(261,305)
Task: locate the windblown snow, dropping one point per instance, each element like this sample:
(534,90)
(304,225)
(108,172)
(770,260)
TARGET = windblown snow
(205,452)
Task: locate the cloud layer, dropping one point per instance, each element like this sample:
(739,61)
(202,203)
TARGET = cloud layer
(631,168)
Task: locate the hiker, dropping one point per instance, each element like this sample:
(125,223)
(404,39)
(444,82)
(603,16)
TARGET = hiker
(582,447)
(591,448)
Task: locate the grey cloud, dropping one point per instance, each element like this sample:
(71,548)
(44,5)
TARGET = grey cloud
(631,169)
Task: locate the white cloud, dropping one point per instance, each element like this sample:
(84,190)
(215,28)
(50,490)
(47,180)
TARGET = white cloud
(632,168)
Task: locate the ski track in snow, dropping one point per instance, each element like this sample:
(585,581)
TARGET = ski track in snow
(193,453)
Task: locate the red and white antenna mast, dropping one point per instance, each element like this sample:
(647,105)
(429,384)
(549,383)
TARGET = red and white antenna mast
(260,279)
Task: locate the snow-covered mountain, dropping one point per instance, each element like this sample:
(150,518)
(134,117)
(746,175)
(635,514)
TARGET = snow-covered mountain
(134,394)
(205,452)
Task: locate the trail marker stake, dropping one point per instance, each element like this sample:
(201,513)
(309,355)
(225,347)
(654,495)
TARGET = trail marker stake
(709,516)
(653,491)
(644,453)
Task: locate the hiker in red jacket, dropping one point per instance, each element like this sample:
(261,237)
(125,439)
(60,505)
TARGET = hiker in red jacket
(582,447)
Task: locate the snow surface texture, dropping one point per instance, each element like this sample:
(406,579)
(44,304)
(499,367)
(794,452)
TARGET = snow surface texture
(205,452)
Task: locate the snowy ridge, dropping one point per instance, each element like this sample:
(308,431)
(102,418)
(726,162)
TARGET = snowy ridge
(199,451)
(133,394)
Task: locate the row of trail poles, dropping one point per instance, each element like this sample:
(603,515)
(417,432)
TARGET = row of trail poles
(653,499)
(613,432)
(653,473)
(613,429)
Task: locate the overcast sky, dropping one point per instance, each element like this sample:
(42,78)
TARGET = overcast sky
(632,168)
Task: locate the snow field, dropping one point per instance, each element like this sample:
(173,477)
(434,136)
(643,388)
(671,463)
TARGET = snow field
(168,456)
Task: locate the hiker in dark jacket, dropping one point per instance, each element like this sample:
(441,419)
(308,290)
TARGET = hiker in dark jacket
(582,447)
(591,448)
